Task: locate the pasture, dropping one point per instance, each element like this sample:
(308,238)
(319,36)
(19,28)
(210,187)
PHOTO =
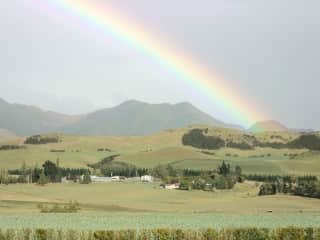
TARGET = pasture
(144,197)
(121,205)
(162,148)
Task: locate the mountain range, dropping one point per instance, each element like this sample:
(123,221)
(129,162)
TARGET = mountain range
(129,118)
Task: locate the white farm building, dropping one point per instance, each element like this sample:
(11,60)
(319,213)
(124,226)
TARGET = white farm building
(146,178)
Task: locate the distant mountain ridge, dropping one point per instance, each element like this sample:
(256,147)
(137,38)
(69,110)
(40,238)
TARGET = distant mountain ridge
(27,120)
(269,125)
(129,118)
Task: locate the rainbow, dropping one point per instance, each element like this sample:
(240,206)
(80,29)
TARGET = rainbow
(184,66)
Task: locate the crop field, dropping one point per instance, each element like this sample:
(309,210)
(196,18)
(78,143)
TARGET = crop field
(116,221)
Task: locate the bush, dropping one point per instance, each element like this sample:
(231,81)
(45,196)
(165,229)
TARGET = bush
(104,235)
(294,233)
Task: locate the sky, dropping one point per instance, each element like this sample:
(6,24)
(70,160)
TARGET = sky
(266,50)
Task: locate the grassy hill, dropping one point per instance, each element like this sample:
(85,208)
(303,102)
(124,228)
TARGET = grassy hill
(166,147)
(269,125)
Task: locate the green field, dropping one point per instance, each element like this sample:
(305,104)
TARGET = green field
(136,205)
(115,221)
(122,205)
(166,147)
(140,197)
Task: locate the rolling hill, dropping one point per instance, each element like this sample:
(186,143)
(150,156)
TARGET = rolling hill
(167,147)
(268,126)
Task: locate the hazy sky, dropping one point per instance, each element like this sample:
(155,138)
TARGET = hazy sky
(268,50)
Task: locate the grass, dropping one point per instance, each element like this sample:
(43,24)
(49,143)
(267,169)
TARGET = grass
(139,197)
(166,147)
(136,205)
(117,221)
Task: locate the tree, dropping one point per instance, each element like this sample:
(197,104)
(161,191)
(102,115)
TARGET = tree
(43,180)
(238,171)
(224,169)
(86,178)
(161,171)
(50,170)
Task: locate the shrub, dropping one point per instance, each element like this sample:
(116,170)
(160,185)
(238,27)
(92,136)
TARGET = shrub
(104,235)
(210,234)
(294,233)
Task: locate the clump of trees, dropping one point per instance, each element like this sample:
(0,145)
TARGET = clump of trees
(198,139)
(109,166)
(49,172)
(39,139)
(309,141)
(11,147)
(239,145)
(306,186)
(224,177)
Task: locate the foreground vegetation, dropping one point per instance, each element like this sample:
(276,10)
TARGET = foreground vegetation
(290,233)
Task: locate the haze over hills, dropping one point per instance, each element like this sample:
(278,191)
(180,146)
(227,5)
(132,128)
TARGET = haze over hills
(269,126)
(27,120)
(6,134)
(140,118)
(129,118)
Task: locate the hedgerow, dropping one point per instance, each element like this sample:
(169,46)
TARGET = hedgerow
(289,233)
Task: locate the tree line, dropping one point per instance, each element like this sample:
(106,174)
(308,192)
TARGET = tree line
(49,172)
(198,138)
(306,186)
(39,139)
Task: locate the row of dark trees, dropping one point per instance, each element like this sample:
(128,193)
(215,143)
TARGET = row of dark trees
(198,138)
(52,171)
(306,186)
(11,147)
(39,139)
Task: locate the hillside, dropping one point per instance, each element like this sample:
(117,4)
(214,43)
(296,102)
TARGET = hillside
(166,147)
(268,126)
(28,120)
(129,118)
(138,118)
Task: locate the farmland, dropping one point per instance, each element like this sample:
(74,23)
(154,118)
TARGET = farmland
(166,147)
(136,205)
(116,221)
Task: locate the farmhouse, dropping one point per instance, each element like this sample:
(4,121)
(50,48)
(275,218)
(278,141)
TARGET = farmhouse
(146,178)
(100,179)
(172,186)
